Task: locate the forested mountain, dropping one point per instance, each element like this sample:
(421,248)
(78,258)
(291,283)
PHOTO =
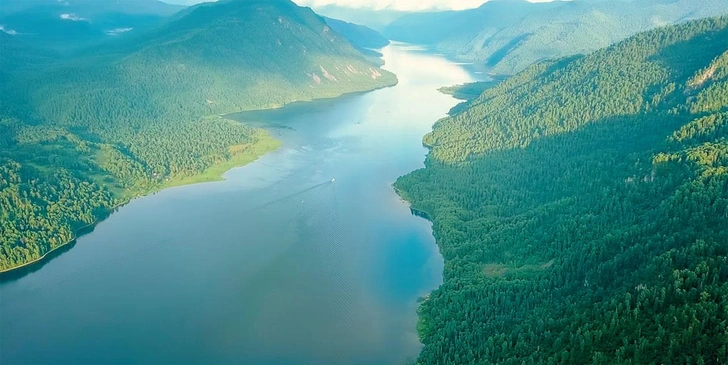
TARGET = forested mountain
(581,207)
(509,35)
(80,135)
(359,35)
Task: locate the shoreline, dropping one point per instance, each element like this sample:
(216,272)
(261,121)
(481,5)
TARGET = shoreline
(203,177)
(404,197)
(305,101)
(38,260)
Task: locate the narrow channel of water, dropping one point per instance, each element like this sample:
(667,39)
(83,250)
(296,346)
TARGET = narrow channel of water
(275,265)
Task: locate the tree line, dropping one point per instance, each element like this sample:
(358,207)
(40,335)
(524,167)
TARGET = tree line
(581,207)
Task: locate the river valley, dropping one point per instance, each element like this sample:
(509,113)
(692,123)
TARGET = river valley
(306,256)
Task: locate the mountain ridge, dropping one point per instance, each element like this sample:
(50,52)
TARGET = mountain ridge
(581,207)
(509,36)
(87,132)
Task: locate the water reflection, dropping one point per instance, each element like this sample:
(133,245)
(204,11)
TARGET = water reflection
(276,265)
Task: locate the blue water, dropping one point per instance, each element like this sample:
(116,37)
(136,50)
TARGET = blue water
(275,265)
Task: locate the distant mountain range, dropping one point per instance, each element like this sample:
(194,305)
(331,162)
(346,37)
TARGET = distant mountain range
(88,8)
(69,25)
(509,35)
(77,23)
(375,19)
(358,35)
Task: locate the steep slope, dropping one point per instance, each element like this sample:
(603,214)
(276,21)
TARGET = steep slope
(581,207)
(215,58)
(509,35)
(85,134)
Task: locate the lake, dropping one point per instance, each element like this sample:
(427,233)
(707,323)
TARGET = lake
(275,265)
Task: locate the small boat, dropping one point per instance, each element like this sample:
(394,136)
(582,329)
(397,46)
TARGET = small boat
(333,180)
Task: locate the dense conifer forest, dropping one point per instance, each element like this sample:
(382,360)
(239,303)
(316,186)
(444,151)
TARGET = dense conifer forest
(581,207)
(83,133)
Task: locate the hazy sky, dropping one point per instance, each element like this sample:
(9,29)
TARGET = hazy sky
(381,4)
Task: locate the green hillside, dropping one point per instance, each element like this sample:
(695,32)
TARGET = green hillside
(581,207)
(510,35)
(83,134)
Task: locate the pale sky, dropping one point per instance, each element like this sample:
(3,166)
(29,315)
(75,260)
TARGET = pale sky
(406,5)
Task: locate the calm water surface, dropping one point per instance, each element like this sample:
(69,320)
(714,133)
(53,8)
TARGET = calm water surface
(275,265)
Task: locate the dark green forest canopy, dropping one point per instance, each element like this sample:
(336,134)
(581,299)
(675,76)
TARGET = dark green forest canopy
(581,207)
(84,133)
